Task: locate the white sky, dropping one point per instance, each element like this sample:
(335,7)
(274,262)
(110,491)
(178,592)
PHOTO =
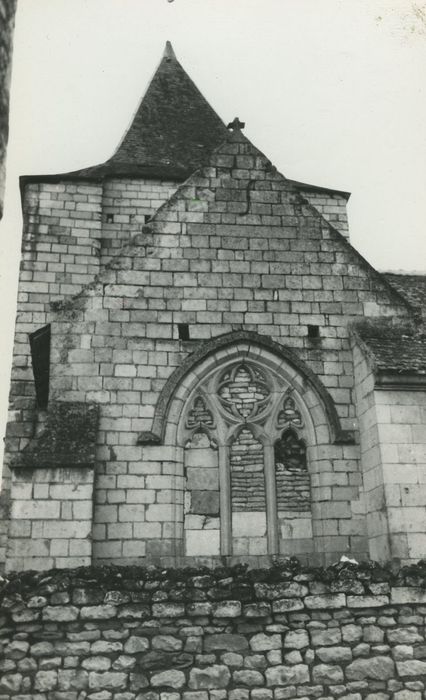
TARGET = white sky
(333,91)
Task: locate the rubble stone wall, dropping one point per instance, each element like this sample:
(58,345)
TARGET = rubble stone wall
(222,634)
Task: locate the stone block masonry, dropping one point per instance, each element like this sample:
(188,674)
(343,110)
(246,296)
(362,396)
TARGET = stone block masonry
(277,634)
(126,206)
(331,206)
(206,262)
(52,511)
(393,444)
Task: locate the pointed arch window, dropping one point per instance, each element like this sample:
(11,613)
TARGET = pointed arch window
(246,467)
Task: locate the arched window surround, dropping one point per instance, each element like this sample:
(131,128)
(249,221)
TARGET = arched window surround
(322,424)
(174,393)
(282,383)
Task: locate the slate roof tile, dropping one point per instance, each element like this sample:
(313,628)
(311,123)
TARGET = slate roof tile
(398,349)
(412,287)
(172,131)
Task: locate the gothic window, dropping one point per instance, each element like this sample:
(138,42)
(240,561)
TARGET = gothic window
(245,460)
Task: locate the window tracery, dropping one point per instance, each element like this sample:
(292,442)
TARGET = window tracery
(289,415)
(243,391)
(199,415)
(247,477)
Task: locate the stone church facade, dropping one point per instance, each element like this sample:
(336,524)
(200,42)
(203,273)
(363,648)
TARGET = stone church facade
(205,370)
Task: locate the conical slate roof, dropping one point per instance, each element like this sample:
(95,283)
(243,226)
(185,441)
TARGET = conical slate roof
(174,128)
(172,133)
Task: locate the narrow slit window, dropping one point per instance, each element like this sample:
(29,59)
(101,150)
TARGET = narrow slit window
(110,218)
(313,332)
(183,331)
(40,356)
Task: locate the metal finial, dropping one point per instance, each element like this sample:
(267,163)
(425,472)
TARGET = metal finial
(168,51)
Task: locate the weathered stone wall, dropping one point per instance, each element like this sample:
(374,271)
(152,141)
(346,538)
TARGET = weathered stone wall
(218,257)
(7,21)
(126,206)
(331,206)
(67,238)
(51,518)
(393,447)
(401,417)
(211,635)
(374,500)
(235,248)
(60,254)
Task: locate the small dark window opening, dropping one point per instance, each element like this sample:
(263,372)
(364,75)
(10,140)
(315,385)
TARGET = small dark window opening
(147,218)
(183,330)
(40,356)
(313,332)
(110,218)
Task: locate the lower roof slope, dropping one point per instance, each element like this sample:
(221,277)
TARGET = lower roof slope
(398,350)
(411,287)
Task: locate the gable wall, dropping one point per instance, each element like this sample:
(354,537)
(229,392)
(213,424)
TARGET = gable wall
(222,255)
(209,264)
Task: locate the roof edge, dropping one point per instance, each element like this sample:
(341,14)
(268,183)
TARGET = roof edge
(388,380)
(101,172)
(318,188)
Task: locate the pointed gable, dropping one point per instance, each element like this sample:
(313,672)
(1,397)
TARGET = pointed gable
(237,223)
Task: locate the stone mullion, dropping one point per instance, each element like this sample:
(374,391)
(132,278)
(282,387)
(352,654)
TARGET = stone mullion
(225,501)
(271,499)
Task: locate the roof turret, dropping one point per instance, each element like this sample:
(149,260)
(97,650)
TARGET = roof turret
(173,129)
(173,132)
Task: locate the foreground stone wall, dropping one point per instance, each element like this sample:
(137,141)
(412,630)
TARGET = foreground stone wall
(209,635)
